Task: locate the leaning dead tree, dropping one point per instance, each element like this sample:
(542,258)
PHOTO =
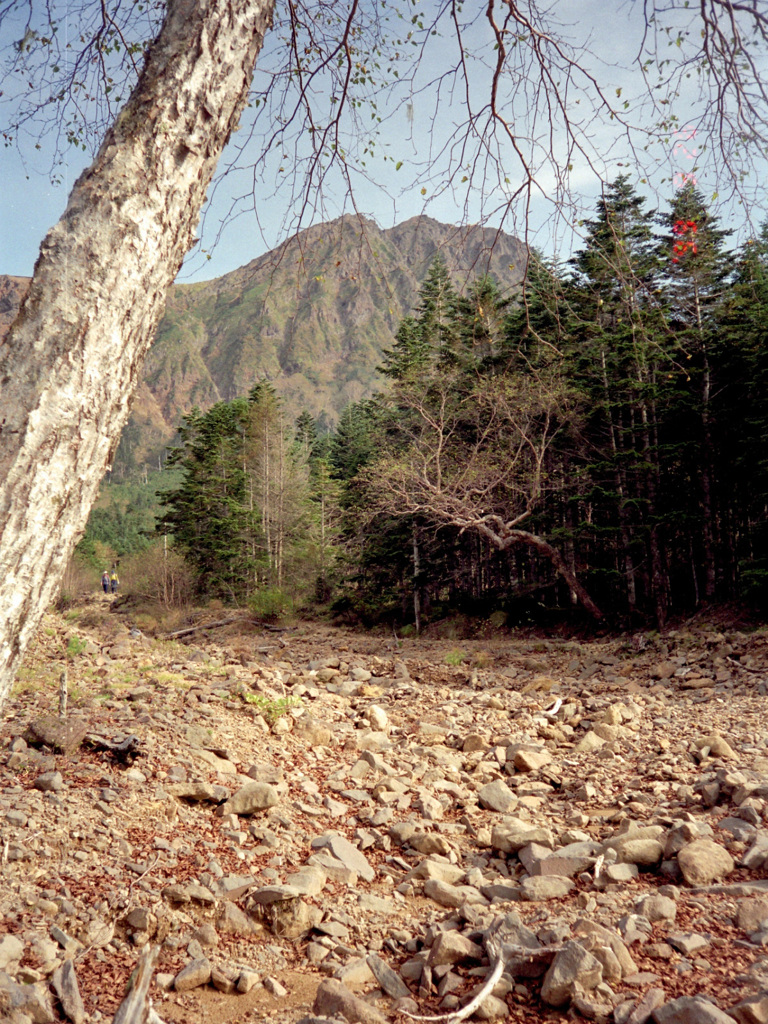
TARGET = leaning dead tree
(474,458)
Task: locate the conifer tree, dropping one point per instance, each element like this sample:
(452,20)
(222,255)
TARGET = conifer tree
(741,419)
(619,357)
(207,513)
(696,267)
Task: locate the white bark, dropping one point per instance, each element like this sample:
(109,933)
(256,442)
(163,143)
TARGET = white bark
(71,361)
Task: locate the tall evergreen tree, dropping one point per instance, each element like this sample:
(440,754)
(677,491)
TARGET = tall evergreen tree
(696,267)
(619,355)
(741,418)
(207,513)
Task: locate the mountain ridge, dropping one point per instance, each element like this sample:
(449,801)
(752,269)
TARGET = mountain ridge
(313,315)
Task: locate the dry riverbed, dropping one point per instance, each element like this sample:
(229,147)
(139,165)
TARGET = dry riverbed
(321,823)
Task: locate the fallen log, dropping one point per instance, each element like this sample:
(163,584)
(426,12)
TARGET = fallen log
(207,625)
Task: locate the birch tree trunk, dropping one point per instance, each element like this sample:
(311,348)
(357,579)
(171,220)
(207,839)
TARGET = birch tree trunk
(71,361)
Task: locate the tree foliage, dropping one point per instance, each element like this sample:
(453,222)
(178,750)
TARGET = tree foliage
(254,509)
(612,419)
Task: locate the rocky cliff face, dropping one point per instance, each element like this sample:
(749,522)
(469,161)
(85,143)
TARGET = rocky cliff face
(314,316)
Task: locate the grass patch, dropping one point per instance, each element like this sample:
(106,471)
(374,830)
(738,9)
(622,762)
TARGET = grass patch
(271,708)
(455,658)
(76,646)
(172,679)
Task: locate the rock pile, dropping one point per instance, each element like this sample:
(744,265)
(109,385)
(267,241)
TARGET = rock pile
(335,830)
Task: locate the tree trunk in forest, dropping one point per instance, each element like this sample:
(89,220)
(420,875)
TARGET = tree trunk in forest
(71,361)
(619,485)
(705,462)
(416,581)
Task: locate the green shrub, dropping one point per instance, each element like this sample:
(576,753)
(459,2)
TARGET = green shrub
(455,657)
(75,646)
(271,708)
(270,603)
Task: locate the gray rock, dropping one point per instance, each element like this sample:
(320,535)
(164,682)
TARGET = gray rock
(545,887)
(49,782)
(506,891)
(429,807)
(643,852)
(199,893)
(572,966)
(348,854)
(757,855)
(11,951)
(589,743)
(308,881)
(291,919)
(634,928)
(67,991)
(334,1000)
(403,831)
(25,1002)
(334,869)
(492,1008)
(206,934)
(197,792)
(356,974)
(452,895)
(657,908)
(752,912)
(690,1010)
(388,980)
(497,796)
(235,921)
(224,979)
(253,797)
(703,862)
(426,842)
(641,1013)
(513,835)
(531,760)
(247,981)
(440,869)
(752,1010)
(606,936)
(273,986)
(193,975)
(619,873)
(453,948)
(273,894)
(688,943)
(376,904)
(568,861)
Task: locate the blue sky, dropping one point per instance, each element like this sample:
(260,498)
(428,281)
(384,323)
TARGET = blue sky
(242,220)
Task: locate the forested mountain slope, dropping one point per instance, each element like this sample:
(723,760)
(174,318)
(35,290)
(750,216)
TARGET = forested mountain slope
(313,316)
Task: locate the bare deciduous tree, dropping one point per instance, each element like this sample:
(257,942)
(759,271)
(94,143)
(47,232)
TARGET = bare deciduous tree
(475,458)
